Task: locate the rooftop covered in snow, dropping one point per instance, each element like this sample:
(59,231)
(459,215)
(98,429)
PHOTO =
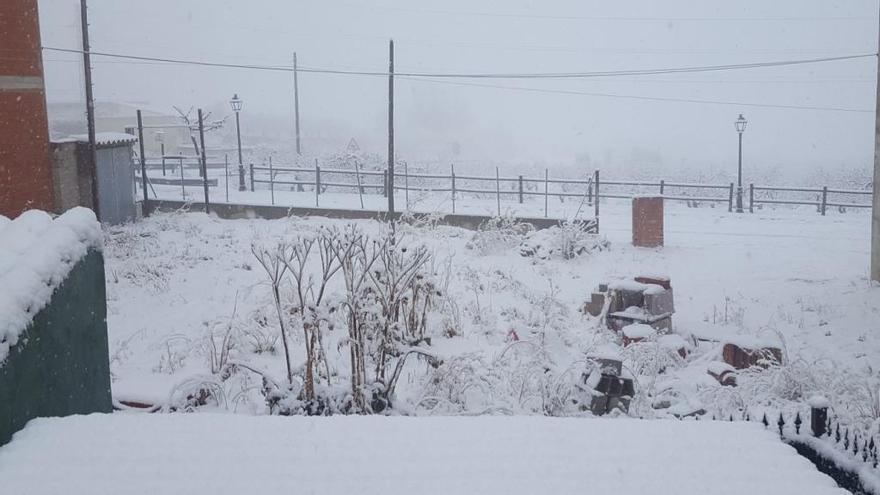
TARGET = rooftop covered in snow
(232,454)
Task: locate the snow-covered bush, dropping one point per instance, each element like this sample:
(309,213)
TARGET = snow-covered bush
(499,234)
(566,241)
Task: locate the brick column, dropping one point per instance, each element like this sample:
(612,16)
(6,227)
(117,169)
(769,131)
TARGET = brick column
(647,222)
(25,170)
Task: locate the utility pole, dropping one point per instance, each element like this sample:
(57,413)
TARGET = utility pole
(390,185)
(296,103)
(90,107)
(875,210)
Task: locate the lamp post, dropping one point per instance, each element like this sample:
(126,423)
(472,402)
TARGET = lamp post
(740,125)
(235,103)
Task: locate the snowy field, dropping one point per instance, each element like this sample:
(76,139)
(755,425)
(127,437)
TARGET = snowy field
(228,454)
(186,296)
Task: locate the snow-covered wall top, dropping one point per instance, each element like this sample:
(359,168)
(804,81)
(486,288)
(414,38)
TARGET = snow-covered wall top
(36,254)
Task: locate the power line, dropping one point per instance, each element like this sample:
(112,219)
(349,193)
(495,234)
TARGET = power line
(638,80)
(550,75)
(613,18)
(636,97)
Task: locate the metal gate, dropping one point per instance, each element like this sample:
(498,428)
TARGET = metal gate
(116,186)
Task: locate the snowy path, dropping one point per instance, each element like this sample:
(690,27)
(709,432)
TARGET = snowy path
(230,454)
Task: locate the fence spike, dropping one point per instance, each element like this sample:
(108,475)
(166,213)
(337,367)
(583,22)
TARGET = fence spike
(846,439)
(780,423)
(797,423)
(837,434)
(731,417)
(764,420)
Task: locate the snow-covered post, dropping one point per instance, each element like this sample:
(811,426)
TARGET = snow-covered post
(818,415)
(546,190)
(520,189)
(751,198)
(271,182)
(317,182)
(357,173)
(730,199)
(182,183)
(452,171)
(406,183)
(498,190)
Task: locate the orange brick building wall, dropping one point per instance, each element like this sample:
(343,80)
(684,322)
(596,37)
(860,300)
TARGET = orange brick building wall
(25,168)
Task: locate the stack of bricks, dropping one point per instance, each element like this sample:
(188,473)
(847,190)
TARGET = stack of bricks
(25,170)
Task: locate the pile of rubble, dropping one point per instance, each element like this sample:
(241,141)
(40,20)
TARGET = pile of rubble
(641,310)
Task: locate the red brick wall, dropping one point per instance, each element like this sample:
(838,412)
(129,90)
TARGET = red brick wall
(647,222)
(25,170)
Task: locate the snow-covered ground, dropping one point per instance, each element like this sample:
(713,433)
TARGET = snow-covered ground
(508,328)
(229,454)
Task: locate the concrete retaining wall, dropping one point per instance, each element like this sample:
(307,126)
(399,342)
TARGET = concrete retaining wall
(232,211)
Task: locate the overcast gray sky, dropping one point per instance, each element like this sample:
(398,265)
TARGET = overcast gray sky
(468,122)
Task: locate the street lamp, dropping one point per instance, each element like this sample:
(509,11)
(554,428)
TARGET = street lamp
(740,125)
(235,103)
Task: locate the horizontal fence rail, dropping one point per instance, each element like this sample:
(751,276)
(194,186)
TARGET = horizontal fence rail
(180,170)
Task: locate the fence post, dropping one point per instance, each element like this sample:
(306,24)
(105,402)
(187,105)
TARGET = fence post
(182,185)
(204,162)
(162,150)
(596,181)
(452,171)
(498,190)
(406,183)
(818,416)
(143,166)
(662,186)
(385,183)
(317,182)
(546,191)
(317,177)
(271,181)
(357,171)
(824,199)
(520,189)
(751,198)
(252,177)
(730,199)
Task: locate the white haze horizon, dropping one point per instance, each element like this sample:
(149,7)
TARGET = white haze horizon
(534,123)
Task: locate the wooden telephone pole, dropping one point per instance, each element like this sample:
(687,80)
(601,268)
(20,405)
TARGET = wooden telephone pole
(390,185)
(90,108)
(875,210)
(296,104)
